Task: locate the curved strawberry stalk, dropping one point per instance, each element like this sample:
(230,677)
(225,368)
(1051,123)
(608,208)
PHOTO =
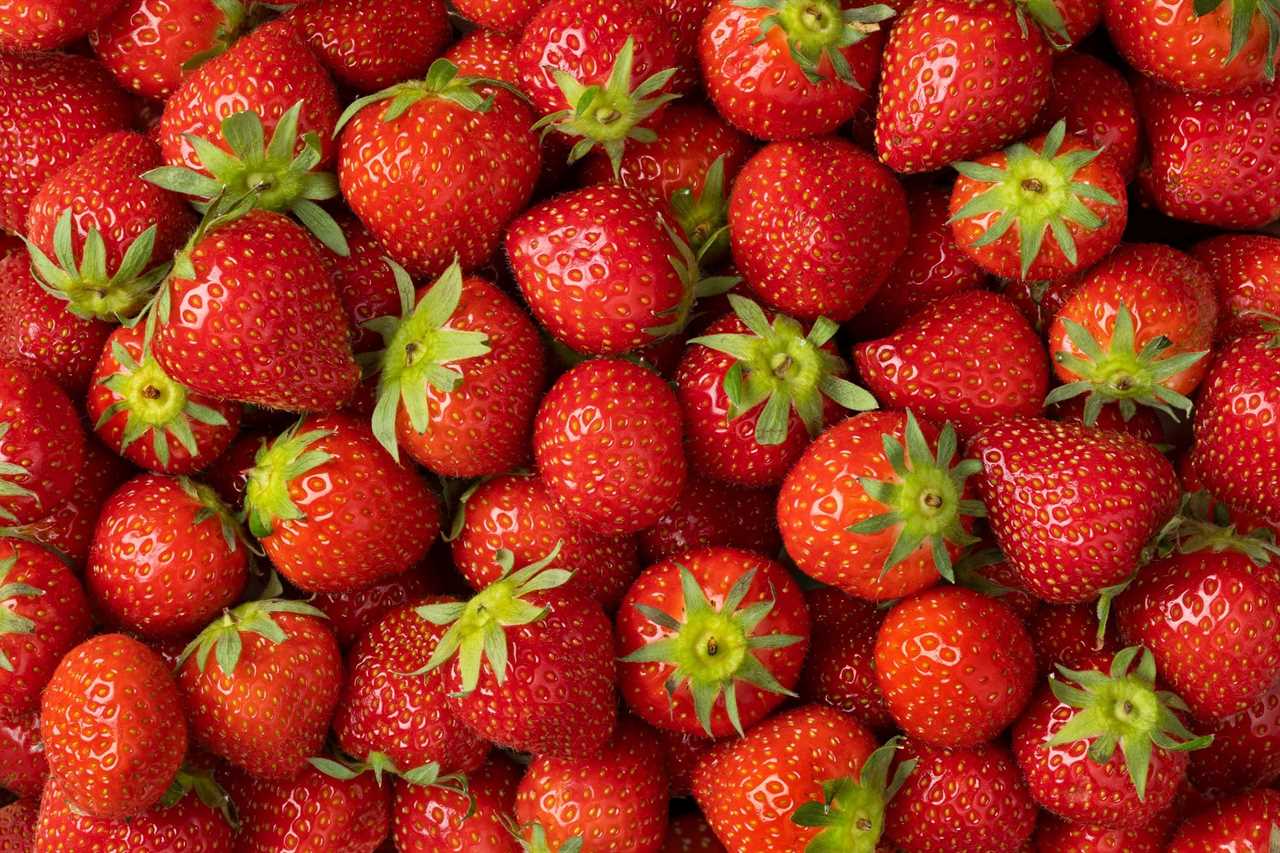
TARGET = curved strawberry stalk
(10,621)
(8,471)
(820,29)
(714,648)
(851,812)
(704,218)
(201,783)
(380,764)
(1242,17)
(276,465)
(783,368)
(688,267)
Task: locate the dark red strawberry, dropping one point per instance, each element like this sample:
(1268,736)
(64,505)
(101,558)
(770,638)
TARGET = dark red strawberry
(709,513)
(41,445)
(682,752)
(431,819)
(18,825)
(1097,103)
(49,24)
(689,832)
(229,474)
(1246,275)
(840,669)
(1245,822)
(365,281)
(1054,835)
(23,768)
(351,614)
(1040,301)
(1067,634)
(1245,752)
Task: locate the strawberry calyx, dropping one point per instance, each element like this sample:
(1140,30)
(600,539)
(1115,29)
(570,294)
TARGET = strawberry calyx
(532,838)
(9,471)
(10,621)
(713,648)
(704,217)
(1122,374)
(213,507)
(784,368)
(268,172)
(925,499)
(1036,191)
(851,812)
(1243,14)
(820,29)
(608,115)
(696,286)
(1047,15)
(235,22)
(420,349)
(442,81)
(275,466)
(380,764)
(1205,525)
(1122,708)
(202,784)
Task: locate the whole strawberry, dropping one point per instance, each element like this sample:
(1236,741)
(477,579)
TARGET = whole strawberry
(41,445)
(432,818)
(312,811)
(1245,822)
(49,24)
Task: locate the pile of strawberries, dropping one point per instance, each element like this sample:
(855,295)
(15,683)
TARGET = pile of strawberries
(773,426)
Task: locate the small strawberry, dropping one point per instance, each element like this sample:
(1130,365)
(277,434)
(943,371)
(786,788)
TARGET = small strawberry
(1244,822)
(682,752)
(709,513)
(1054,835)
(489,53)
(49,24)
(351,614)
(114,727)
(41,445)
(435,819)
(840,669)
(1245,752)
(23,768)
(1246,275)
(1097,103)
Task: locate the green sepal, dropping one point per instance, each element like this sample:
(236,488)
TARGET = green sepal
(192,780)
(1046,14)
(532,838)
(851,813)
(275,468)
(381,765)
(8,472)
(10,621)
(1203,524)
(820,29)
(696,285)
(442,81)
(234,22)
(1243,14)
(704,217)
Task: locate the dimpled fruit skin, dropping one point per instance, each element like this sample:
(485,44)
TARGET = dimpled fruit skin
(18,826)
(816,226)
(61,616)
(145,43)
(312,812)
(1054,835)
(749,787)
(429,819)
(840,670)
(960,799)
(594,266)
(274,711)
(955,666)
(1242,822)
(1246,276)
(113,725)
(941,54)
(49,24)
(44,437)
(1097,103)
(615,801)
(23,768)
(352,614)
(607,441)
(710,513)
(403,716)
(1245,752)
(1071,507)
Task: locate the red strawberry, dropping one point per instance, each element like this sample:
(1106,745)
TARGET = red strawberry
(335,513)
(1040,301)
(18,826)
(49,24)
(433,819)
(1067,634)
(955,666)
(365,281)
(260,271)
(229,474)
(351,614)
(1059,836)
(1244,822)
(265,700)
(960,799)
(682,752)
(854,514)
(816,226)
(786,69)
(23,768)
(1144,425)
(516,513)
(969,359)
(43,614)
(501,17)
(616,799)
(607,441)
(1096,102)
(41,445)
(460,377)
(689,832)
(1064,22)
(1246,275)
(313,811)
(53,107)
(840,669)
(709,513)
(1245,752)
(926,119)
(711,642)
(488,53)
(114,726)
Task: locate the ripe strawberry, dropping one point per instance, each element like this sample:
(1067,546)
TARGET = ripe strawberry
(715,624)
(876,508)
(969,359)
(1040,478)
(1054,835)
(333,512)
(459,378)
(709,513)
(1145,424)
(41,445)
(366,283)
(1097,103)
(607,441)
(826,783)
(18,826)
(264,703)
(1068,634)
(114,726)
(840,669)
(1244,822)
(1246,275)
(960,799)
(487,52)
(1245,752)
(351,614)
(689,832)
(682,753)
(313,811)
(23,768)
(260,271)
(617,799)
(1064,22)
(1066,742)
(516,513)
(786,69)
(926,121)
(955,666)
(49,24)
(229,474)
(1040,301)
(53,107)
(43,614)
(816,226)
(527,665)
(1208,159)
(500,17)
(473,167)
(434,819)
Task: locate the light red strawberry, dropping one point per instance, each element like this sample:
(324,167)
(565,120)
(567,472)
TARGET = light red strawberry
(1097,103)
(313,811)
(431,819)
(23,767)
(840,668)
(49,24)
(41,445)
(1246,276)
(710,513)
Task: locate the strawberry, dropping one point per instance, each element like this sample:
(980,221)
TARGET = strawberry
(955,666)
(682,753)
(1245,752)
(527,665)
(23,768)
(1097,103)
(689,832)
(854,514)
(43,614)
(785,69)
(351,614)
(1041,478)
(1068,634)
(1059,836)
(925,122)
(54,106)
(333,512)
(114,727)
(1040,301)
(461,374)
(960,799)
(487,52)
(168,557)
(715,624)
(365,281)
(516,513)
(970,359)
(1208,163)
(1066,742)
(49,24)
(826,783)
(1064,22)
(815,226)
(265,700)
(1145,423)
(607,442)
(600,799)
(484,145)
(41,445)
(260,271)
(1244,822)
(840,669)
(18,826)
(432,819)
(229,474)
(313,811)
(500,17)
(1246,275)
(710,513)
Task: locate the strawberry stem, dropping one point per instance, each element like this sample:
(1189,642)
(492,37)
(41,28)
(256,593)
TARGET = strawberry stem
(820,29)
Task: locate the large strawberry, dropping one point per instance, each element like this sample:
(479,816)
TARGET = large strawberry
(1246,821)
(41,445)
(430,818)
(1246,275)
(710,513)
(49,24)
(840,669)
(114,726)
(313,811)
(1097,103)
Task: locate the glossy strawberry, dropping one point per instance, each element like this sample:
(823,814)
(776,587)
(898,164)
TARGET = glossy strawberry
(500,17)
(431,819)
(1246,276)
(41,445)
(49,24)
(1054,835)
(840,669)
(365,281)
(1245,821)
(1097,103)
(490,53)
(1145,423)
(23,767)
(313,811)
(351,614)
(1067,634)
(709,513)
(1245,752)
